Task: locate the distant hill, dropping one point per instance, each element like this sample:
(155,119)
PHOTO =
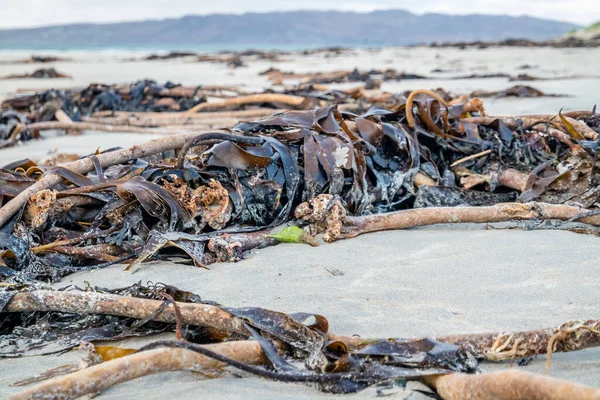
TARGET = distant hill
(287,29)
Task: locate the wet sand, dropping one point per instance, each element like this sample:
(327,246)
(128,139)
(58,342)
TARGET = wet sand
(420,282)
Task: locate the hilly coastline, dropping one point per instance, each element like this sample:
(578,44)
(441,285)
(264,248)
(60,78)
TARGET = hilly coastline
(279,30)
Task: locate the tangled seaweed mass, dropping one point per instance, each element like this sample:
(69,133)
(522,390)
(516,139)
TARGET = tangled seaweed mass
(212,196)
(223,192)
(261,342)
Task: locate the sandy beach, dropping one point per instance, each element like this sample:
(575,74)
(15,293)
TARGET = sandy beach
(421,282)
(114,66)
(414,283)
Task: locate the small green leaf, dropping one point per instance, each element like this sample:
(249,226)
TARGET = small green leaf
(290,234)
(570,128)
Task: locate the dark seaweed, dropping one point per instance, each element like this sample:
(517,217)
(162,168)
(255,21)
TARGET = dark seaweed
(252,179)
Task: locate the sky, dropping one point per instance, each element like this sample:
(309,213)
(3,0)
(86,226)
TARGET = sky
(30,13)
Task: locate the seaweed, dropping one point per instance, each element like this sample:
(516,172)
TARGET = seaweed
(144,95)
(265,343)
(42,73)
(337,172)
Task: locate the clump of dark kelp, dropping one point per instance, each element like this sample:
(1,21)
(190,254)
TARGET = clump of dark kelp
(215,195)
(293,348)
(38,59)
(147,107)
(277,76)
(231,58)
(24,116)
(375,77)
(568,41)
(42,73)
(144,95)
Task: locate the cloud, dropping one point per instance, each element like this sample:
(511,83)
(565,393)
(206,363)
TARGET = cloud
(26,13)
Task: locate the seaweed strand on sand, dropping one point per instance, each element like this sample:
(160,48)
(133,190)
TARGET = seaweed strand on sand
(263,343)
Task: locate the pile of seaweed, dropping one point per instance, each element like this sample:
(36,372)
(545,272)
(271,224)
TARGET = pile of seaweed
(568,41)
(375,77)
(38,59)
(280,176)
(215,195)
(42,73)
(293,348)
(135,107)
(146,95)
(390,74)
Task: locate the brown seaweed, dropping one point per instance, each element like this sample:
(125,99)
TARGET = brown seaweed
(273,340)
(42,73)
(424,153)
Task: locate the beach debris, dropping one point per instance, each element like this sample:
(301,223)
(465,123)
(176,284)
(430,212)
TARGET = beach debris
(513,91)
(232,59)
(275,99)
(507,385)
(375,77)
(42,73)
(38,59)
(169,56)
(331,51)
(335,224)
(140,96)
(215,195)
(145,106)
(568,41)
(47,59)
(278,77)
(293,348)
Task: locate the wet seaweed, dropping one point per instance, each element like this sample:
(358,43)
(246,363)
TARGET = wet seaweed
(50,332)
(225,192)
(144,95)
(265,343)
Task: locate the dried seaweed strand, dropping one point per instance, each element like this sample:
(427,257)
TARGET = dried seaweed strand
(181,117)
(471,157)
(563,335)
(337,225)
(110,373)
(177,310)
(133,307)
(355,226)
(508,385)
(570,336)
(289,100)
(90,126)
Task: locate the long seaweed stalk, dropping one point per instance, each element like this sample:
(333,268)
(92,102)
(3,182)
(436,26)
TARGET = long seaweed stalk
(326,215)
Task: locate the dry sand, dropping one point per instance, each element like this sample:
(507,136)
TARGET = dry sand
(420,282)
